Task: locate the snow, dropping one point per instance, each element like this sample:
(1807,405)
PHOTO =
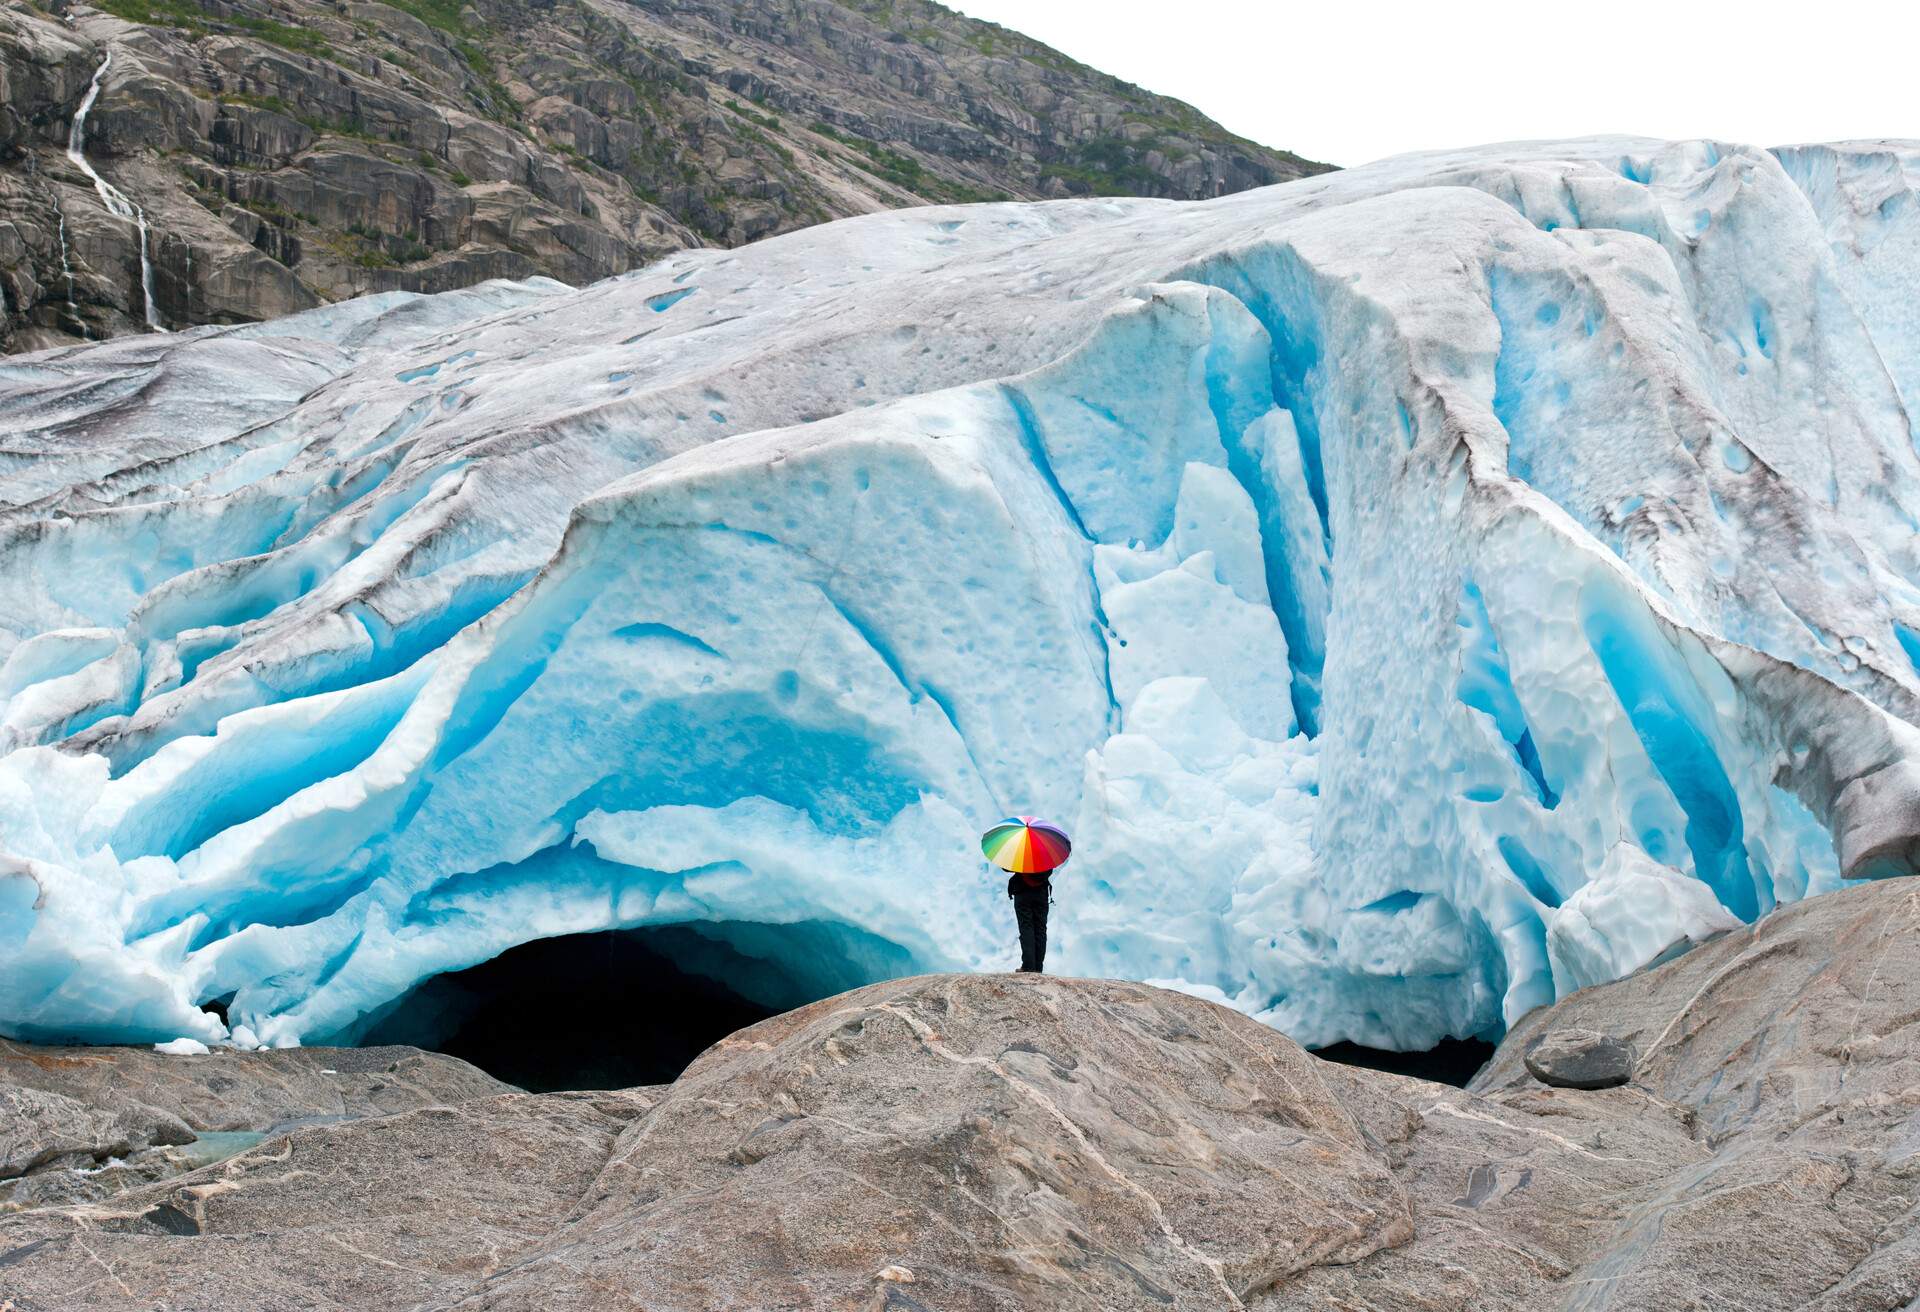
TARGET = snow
(183,1047)
(1421,590)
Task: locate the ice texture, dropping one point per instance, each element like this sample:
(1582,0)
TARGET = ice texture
(183,1047)
(1421,590)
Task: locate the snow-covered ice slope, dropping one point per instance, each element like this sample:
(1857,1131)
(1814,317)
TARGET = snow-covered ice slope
(1422,590)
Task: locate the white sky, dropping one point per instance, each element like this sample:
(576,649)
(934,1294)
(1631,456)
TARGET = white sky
(1349,81)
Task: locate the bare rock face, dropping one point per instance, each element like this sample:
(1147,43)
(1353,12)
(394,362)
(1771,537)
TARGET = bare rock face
(1762,1157)
(945,1141)
(1012,1142)
(290,152)
(1579,1059)
(229,1090)
(81,1124)
(1004,1141)
(409,1210)
(38,1128)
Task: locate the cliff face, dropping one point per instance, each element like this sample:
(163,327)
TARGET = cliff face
(290,152)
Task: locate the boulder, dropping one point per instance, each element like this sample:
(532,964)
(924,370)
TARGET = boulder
(1579,1059)
(1011,1141)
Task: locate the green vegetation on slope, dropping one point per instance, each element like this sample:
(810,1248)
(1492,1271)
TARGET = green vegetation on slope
(187,16)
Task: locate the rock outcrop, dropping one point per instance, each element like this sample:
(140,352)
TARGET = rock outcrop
(80,1124)
(290,152)
(1004,1142)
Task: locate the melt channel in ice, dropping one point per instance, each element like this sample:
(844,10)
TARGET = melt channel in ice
(1422,590)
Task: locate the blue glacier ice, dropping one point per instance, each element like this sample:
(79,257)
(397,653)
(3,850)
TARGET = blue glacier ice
(1422,590)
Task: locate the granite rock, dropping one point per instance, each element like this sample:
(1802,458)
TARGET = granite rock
(1579,1059)
(1006,1142)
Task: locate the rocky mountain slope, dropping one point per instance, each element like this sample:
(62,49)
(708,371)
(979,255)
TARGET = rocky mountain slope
(1009,1142)
(290,152)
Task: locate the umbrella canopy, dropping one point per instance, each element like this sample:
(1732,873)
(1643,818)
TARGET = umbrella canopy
(1026,845)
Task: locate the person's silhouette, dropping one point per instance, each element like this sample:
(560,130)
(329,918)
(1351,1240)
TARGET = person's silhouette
(1032,895)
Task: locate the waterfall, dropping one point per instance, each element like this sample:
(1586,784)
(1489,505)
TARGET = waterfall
(111,196)
(66,271)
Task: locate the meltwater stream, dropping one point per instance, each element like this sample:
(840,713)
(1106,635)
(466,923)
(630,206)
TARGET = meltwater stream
(66,272)
(111,196)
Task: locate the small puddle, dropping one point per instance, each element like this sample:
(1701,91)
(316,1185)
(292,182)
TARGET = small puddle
(218,1145)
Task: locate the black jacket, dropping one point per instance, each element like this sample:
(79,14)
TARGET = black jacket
(1017,886)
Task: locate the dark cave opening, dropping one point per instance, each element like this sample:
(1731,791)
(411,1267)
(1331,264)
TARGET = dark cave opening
(583,1011)
(1451,1061)
(620,1008)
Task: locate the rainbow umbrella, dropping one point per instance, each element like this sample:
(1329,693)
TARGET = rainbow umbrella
(1026,845)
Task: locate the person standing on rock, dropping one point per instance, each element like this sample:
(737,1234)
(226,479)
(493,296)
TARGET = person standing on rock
(1030,850)
(1032,895)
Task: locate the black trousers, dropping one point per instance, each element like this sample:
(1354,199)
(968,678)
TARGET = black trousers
(1030,912)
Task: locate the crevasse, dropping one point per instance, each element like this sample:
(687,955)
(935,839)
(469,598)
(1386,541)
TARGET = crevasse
(1422,590)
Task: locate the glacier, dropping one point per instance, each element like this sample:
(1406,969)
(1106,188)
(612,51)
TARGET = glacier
(1422,590)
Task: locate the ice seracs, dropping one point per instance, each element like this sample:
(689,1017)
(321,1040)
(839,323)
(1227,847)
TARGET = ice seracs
(1423,591)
